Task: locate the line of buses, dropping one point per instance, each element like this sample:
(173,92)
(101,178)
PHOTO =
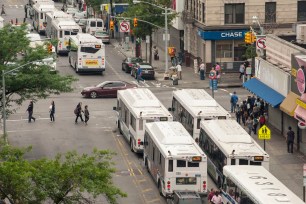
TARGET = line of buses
(197,139)
(86,53)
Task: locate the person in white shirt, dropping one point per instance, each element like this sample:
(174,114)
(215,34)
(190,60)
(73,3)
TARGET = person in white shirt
(217,199)
(202,71)
(179,71)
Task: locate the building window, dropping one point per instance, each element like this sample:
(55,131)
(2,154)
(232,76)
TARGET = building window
(203,12)
(234,13)
(224,50)
(270,12)
(301,15)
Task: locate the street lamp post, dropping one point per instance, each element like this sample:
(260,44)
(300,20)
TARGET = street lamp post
(166,28)
(3,92)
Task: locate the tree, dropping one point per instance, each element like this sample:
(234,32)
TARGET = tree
(149,13)
(33,81)
(69,178)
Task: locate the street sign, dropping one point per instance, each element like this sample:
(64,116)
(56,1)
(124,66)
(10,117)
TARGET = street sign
(124,26)
(264,133)
(261,42)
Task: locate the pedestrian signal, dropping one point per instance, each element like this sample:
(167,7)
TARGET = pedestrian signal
(248,37)
(111,24)
(135,22)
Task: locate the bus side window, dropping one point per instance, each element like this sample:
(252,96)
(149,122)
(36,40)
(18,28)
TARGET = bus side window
(170,166)
(140,124)
(243,162)
(41,15)
(61,34)
(233,161)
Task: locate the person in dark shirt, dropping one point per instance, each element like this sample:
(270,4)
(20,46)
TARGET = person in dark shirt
(290,140)
(30,111)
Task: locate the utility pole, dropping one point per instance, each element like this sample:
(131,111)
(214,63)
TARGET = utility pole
(112,14)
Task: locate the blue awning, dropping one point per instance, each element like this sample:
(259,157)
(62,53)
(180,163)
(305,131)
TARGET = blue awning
(264,92)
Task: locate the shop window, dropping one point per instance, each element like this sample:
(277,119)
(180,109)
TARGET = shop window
(270,12)
(301,11)
(239,53)
(224,50)
(234,13)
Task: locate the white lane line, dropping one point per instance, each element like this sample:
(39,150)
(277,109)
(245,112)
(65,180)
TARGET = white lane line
(116,73)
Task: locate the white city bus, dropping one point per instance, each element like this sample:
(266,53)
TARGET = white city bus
(225,142)
(86,53)
(254,185)
(174,159)
(62,29)
(190,106)
(39,20)
(50,16)
(93,25)
(135,108)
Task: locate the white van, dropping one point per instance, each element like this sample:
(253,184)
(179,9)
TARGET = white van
(93,25)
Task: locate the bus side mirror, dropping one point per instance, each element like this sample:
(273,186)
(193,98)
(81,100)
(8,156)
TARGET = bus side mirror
(114,108)
(171,109)
(141,143)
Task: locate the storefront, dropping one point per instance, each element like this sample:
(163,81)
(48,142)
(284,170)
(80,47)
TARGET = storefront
(226,46)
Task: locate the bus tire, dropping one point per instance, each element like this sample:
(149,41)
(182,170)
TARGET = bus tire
(131,145)
(160,188)
(119,127)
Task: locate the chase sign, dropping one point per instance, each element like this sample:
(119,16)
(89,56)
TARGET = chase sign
(222,35)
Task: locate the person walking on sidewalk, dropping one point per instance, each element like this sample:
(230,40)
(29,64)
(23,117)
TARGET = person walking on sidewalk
(202,71)
(155,52)
(86,114)
(179,71)
(234,101)
(3,10)
(139,73)
(290,140)
(78,112)
(30,112)
(241,70)
(249,124)
(238,114)
(255,124)
(52,111)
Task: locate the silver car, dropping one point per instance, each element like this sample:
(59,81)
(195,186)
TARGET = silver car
(104,36)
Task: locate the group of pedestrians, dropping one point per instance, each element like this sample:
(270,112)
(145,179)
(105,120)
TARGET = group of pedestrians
(252,112)
(78,111)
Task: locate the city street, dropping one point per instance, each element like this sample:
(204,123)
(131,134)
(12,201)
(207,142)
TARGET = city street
(47,138)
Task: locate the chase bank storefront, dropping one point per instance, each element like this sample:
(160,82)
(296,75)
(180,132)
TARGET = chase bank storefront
(225,47)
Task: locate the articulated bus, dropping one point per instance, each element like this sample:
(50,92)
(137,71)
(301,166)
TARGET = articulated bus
(174,159)
(225,142)
(53,15)
(254,185)
(40,10)
(135,108)
(86,53)
(62,29)
(190,106)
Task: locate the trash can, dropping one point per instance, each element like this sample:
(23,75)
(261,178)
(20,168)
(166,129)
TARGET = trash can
(175,81)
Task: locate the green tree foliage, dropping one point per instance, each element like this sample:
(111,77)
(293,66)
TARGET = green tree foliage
(33,81)
(250,52)
(149,13)
(69,178)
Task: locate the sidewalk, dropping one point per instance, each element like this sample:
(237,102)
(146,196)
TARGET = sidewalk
(189,77)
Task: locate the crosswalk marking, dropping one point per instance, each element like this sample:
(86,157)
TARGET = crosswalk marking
(148,84)
(16,6)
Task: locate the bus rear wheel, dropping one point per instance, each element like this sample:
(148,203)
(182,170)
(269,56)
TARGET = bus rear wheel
(160,188)
(131,145)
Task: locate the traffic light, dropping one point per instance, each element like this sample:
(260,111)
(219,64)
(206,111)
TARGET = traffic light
(49,48)
(111,24)
(248,37)
(135,22)
(253,38)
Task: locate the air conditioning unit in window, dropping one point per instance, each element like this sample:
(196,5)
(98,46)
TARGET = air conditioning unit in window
(301,33)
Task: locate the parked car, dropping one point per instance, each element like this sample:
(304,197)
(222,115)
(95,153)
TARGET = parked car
(104,36)
(106,89)
(130,62)
(147,71)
